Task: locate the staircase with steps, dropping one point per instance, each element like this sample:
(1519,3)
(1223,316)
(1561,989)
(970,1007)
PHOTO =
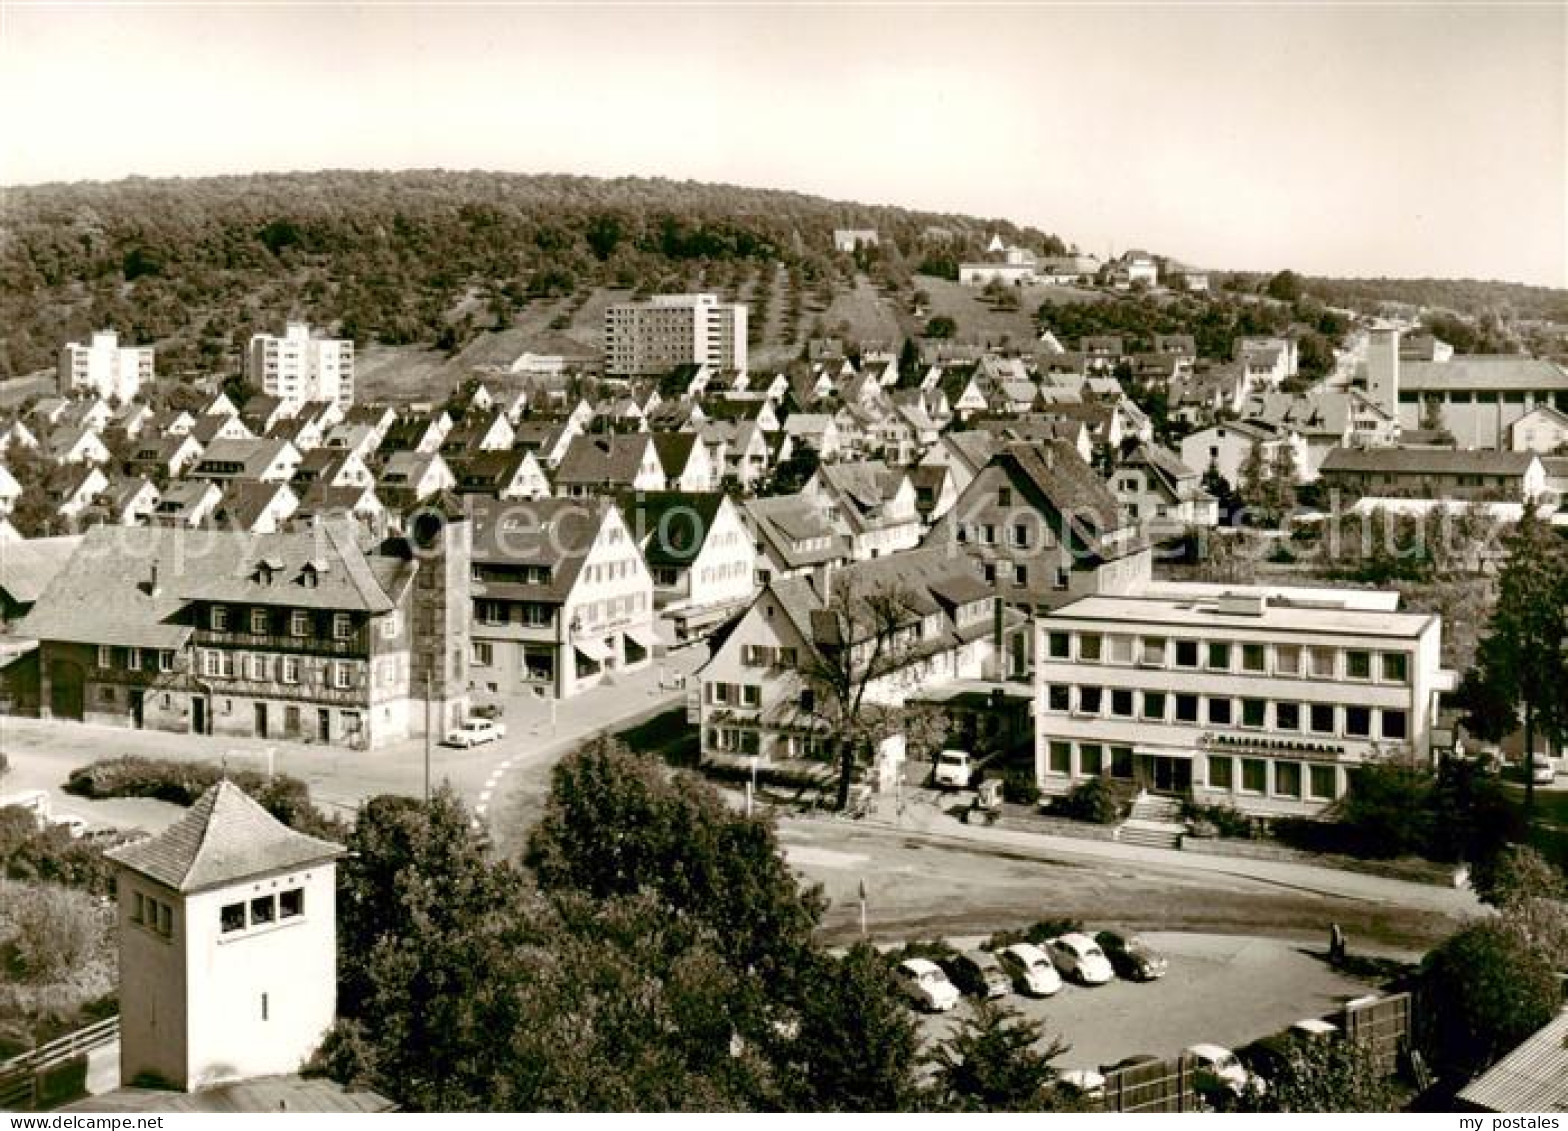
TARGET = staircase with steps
(1155,822)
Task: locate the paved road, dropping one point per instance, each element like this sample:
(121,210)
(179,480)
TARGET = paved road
(1223,989)
(42,754)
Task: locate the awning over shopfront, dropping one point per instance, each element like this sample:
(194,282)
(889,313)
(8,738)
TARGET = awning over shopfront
(645,638)
(595,650)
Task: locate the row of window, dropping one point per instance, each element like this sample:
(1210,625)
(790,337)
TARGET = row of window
(764,656)
(1307,661)
(134,659)
(153,914)
(1271,777)
(735,694)
(997,572)
(1325,719)
(262,911)
(258,667)
(530,614)
(1016,534)
(301,622)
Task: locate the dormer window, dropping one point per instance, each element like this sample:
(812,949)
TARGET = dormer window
(308,577)
(218,618)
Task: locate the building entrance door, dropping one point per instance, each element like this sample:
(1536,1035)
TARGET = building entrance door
(1160,774)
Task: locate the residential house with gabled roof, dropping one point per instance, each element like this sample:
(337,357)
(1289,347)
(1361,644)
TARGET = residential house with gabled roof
(1325,421)
(131,501)
(1543,430)
(47,412)
(1227,447)
(502,475)
(221,405)
(479,434)
(133,418)
(964,454)
(1436,473)
(606,463)
(417,433)
(547,439)
(360,439)
(744,448)
(93,413)
(1207,393)
(792,537)
(965,395)
(295,635)
(1176,345)
(758,409)
(26,568)
(870,503)
(1161,494)
(218,426)
(686,463)
(10,490)
(699,553)
(306,433)
(756,695)
(187,503)
(263,412)
(935,492)
(562,598)
(819,431)
(71,488)
(174,423)
(378,417)
(359,505)
(332,468)
(15,432)
(255,507)
(74,443)
(1040,527)
(168,457)
(408,478)
(581,416)
(274,461)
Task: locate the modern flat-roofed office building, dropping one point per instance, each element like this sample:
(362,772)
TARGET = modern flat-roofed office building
(654,337)
(1260,698)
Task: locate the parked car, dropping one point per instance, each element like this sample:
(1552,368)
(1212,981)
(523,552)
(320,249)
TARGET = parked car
(924,984)
(1131,957)
(476,732)
(1031,969)
(953,770)
(1078,956)
(1218,1070)
(1132,1061)
(71,823)
(979,973)
(1083,1082)
(1542,771)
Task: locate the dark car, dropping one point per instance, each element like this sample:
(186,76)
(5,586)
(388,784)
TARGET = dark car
(1128,1062)
(979,973)
(1131,957)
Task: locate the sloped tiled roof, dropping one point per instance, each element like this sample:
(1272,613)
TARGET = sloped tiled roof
(26,567)
(613,460)
(1532,1078)
(1482,371)
(671,526)
(557,533)
(674,450)
(224,838)
(1427,461)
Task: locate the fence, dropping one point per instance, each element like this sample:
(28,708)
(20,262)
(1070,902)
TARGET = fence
(33,1080)
(1156,1085)
(1383,1026)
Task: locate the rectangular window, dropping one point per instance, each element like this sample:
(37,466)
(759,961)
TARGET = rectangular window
(1220,772)
(483,654)
(1219,657)
(256,668)
(291,903)
(1121,649)
(1320,781)
(1186,708)
(1321,718)
(1154,705)
(1090,700)
(1020,575)
(341,626)
(1287,659)
(1358,665)
(1287,717)
(138,907)
(1322,662)
(258,622)
(299,622)
(1091,759)
(218,618)
(1121,702)
(165,920)
(263,909)
(1004,496)
(750,694)
(1395,725)
(1254,775)
(1061,758)
(1253,657)
(165,661)
(290,669)
(1057,697)
(1089,647)
(1254,713)
(1186,653)
(133,659)
(105,657)
(1061,645)
(342,676)
(232,917)
(1287,779)
(1121,762)
(1395,668)
(1021,535)
(1219,712)
(1153,653)
(1358,722)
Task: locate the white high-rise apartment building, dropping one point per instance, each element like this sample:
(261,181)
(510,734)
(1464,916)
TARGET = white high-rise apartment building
(104,367)
(299,368)
(653,337)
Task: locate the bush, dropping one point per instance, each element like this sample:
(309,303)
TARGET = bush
(1019,787)
(1038,932)
(51,855)
(57,931)
(1489,989)
(181,783)
(935,950)
(1098,800)
(1224,820)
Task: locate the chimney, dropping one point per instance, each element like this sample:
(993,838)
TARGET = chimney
(152,581)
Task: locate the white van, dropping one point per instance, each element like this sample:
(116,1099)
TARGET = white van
(953,770)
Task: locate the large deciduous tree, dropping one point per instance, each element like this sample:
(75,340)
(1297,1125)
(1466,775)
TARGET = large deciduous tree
(1489,989)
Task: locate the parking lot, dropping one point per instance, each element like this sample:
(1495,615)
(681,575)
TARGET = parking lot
(1224,989)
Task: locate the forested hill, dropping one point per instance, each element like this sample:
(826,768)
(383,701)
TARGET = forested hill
(411,257)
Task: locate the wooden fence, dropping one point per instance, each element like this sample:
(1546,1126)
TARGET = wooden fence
(1157,1085)
(1384,1026)
(52,1072)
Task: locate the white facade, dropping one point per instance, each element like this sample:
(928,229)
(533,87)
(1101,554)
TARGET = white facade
(105,367)
(653,337)
(299,368)
(1259,699)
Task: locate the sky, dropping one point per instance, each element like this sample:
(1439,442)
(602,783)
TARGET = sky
(1339,139)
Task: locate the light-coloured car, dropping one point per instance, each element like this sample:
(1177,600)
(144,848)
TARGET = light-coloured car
(953,770)
(1542,771)
(1084,1082)
(1031,969)
(476,732)
(1078,956)
(924,984)
(1219,1070)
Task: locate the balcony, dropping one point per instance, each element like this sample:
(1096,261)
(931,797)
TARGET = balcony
(314,645)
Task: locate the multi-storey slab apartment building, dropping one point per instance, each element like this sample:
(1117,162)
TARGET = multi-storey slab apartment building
(299,635)
(105,367)
(298,368)
(1259,698)
(652,338)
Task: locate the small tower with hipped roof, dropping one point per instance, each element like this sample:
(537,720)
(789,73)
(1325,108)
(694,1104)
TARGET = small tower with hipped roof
(228,946)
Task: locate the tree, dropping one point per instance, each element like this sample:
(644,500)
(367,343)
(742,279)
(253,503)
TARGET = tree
(57,931)
(1531,895)
(1323,1076)
(908,363)
(1523,659)
(1314,356)
(1433,420)
(791,474)
(1285,286)
(941,327)
(1489,990)
(996,1060)
(1253,488)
